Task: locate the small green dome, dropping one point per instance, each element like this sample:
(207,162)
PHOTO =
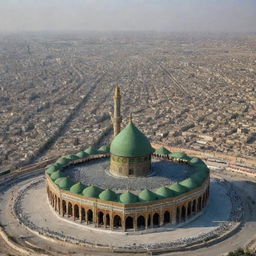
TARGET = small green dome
(56,175)
(51,169)
(108,195)
(201,167)
(77,188)
(62,161)
(104,149)
(180,155)
(65,183)
(189,183)
(131,142)
(58,165)
(162,151)
(195,160)
(147,196)
(128,198)
(71,157)
(58,180)
(92,191)
(177,154)
(81,154)
(68,158)
(165,192)
(91,151)
(178,189)
(199,177)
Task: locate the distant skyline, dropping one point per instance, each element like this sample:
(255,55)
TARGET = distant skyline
(116,15)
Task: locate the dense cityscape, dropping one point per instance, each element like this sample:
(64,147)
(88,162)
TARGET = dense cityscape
(195,91)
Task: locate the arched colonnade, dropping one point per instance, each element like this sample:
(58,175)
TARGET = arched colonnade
(121,221)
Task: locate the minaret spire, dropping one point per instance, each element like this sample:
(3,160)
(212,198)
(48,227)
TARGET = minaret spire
(117,118)
(130,118)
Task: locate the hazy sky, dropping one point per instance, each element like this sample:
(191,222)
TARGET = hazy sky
(160,15)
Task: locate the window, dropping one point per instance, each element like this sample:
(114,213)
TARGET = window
(130,171)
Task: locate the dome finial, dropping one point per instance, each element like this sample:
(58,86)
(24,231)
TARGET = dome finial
(130,119)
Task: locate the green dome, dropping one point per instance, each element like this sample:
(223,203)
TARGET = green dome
(108,195)
(65,183)
(162,151)
(104,149)
(62,161)
(77,188)
(131,142)
(92,191)
(165,192)
(199,177)
(51,169)
(58,165)
(71,157)
(189,183)
(178,189)
(56,175)
(180,155)
(81,154)
(201,167)
(128,198)
(147,196)
(57,181)
(195,160)
(68,158)
(91,151)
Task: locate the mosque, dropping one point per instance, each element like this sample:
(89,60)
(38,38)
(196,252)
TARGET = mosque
(128,186)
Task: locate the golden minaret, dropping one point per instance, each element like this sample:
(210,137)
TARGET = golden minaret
(117,118)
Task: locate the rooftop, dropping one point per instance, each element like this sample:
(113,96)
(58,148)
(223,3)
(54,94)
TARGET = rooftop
(164,173)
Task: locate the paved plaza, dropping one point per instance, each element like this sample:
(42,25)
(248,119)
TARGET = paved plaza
(97,173)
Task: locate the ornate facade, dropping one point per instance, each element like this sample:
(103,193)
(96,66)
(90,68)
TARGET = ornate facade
(127,217)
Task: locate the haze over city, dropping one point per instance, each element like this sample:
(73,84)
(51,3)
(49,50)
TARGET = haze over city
(128,127)
(153,15)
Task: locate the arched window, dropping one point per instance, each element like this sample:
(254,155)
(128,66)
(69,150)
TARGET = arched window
(130,171)
(83,214)
(140,222)
(156,219)
(149,220)
(117,222)
(129,222)
(107,220)
(100,218)
(178,214)
(183,213)
(76,211)
(70,209)
(189,209)
(64,207)
(167,217)
(90,216)
(194,206)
